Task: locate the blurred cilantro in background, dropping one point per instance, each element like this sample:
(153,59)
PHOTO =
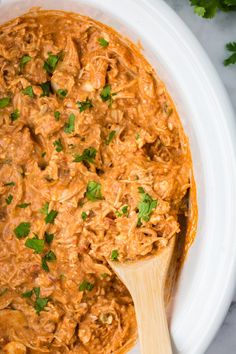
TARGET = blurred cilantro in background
(208,9)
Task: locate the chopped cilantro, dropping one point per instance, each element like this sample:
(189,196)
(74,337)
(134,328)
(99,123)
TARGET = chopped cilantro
(22,230)
(85,285)
(114,255)
(145,206)
(9,199)
(51,62)
(88,155)
(23,205)
(125,210)
(83,105)
(106,94)
(9,184)
(49,257)
(84,215)
(57,115)
(44,209)
(48,238)
(93,191)
(103,42)
(62,93)
(41,302)
(46,87)
(43,154)
(27,294)
(137,136)
(28,91)
(4,102)
(15,115)
(58,145)
(70,126)
(24,60)
(36,244)
(50,217)
(110,137)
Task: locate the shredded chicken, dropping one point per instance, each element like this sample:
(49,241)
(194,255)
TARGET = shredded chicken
(94,167)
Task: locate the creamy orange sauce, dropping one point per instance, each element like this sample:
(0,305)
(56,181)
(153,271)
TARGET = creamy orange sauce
(94,166)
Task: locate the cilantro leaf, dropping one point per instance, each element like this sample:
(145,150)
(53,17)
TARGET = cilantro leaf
(23,205)
(85,285)
(9,184)
(231,47)
(28,91)
(22,230)
(24,60)
(208,8)
(40,304)
(36,244)
(49,257)
(145,206)
(46,87)
(4,102)
(103,42)
(70,126)
(114,255)
(50,217)
(83,105)
(84,215)
(15,115)
(48,238)
(57,115)
(44,209)
(110,137)
(51,62)
(9,199)
(88,155)
(27,294)
(106,94)
(58,145)
(62,93)
(93,191)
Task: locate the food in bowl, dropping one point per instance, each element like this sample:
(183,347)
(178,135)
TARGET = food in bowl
(95,167)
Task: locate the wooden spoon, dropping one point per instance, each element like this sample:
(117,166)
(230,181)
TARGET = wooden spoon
(145,281)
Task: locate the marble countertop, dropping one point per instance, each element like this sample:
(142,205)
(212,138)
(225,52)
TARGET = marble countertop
(213,34)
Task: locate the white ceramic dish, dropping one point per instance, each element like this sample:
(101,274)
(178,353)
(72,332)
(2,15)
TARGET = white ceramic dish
(208,277)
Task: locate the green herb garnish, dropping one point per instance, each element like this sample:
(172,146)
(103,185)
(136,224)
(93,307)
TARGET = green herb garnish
(15,115)
(49,257)
(44,209)
(9,184)
(114,255)
(46,87)
(51,62)
(48,238)
(22,230)
(103,42)
(83,105)
(84,215)
(27,294)
(93,191)
(70,126)
(231,47)
(62,93)
(24,60)
(88,155)
(208,8)
(9,199)
(43,154)
(4,102)
(58,145)
(57,115)
(36,244)
(145,206)
(41,302)
(85,285)
(49,219)
(106,94)
(28,91)
(110,137)
(23,205)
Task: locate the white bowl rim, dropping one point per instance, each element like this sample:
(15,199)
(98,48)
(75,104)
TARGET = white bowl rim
(146,18)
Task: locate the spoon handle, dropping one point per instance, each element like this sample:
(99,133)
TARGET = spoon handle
(147,290)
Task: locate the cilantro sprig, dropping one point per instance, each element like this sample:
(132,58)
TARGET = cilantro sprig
(35,244)
(208,8)
(86,285)
(93,191)
(40,302)
(231,47)
(51,62)
(145,206)
(88,155)
(83,105)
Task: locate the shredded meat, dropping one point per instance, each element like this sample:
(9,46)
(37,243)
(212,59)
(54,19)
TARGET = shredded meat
(94,166)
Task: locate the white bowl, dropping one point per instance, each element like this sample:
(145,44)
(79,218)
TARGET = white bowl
(208,277)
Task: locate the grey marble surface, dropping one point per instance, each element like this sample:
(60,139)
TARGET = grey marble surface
(213,34)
